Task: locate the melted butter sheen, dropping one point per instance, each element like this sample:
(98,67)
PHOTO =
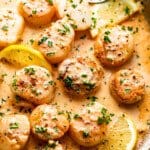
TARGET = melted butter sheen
(140,112)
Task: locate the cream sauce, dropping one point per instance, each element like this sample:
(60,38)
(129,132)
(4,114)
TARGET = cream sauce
(83,45)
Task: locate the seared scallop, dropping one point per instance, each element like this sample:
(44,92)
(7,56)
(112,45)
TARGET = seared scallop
(33,83)
(11,26)
(48,123)
(79,12)
(80,76)
(55,42)
(88,128)
(14,132)
(114,46)
(37,12)
(127,86)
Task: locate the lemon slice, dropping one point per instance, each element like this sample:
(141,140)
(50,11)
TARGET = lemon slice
(22,55)
(110,13)
(122,135)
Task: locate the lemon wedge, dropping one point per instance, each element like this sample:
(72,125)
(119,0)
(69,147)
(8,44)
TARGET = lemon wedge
(22,55)
(111,13)
(122,135)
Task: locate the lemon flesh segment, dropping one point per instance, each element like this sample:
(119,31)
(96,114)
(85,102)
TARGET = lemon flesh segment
(111,13)
(122,135)
(22,55)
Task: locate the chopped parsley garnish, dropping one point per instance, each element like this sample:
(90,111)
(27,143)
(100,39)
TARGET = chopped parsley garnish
(91,49)
(85,134)
(109,59)
(76,116)
(43,39)
(51,82)
(74,26)
(55,129)
(105,118)
(35,92)
(122,81)
(29,71)
(4,75)
(5,28)
(148,122)
(111,20)
(2,114)
(89,86)
(130,28)
(71,1)
(3,100)
(65,30)
(107,39)
(14,84)
(51,145)
(107,32)
(54,118)
(50,53)
(92,69)
(127,90)
(127,10)
(136,30)
(50,2)
(74,6)
(94,20)
(123,28)
(31,41)
(40,129)
(60,112)
(81,1)
(68,82)
(14,125)
(50,43)
(84,75)
(68,115)
(92,98)
(34,12)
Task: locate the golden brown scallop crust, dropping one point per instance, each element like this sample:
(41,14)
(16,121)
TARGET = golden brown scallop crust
(48,123)
(55,42)
(114,46)
(80,76)
(37,13)
(85,128)
(127,86)
(14,132)
(33,83)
